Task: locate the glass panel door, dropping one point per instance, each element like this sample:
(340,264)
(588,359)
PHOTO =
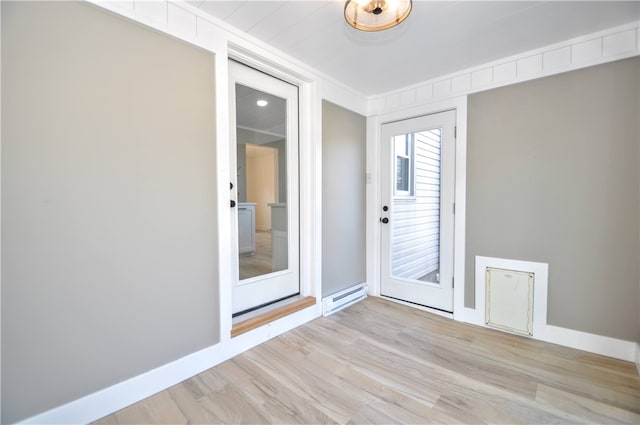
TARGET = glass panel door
(418,165)
(264,188)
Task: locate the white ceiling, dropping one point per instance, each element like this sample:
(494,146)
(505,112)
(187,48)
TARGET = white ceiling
(438,38)
(259,124)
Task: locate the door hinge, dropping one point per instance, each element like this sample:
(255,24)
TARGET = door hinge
(455,132)
(453,282)
(454,208)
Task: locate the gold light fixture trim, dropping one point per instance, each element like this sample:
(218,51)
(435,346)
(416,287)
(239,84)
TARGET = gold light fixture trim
(376,15)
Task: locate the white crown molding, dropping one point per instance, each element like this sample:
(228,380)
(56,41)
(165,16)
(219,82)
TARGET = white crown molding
(188,23)
(592,49)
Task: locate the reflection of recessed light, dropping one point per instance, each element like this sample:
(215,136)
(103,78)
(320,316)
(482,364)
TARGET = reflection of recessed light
(262,102)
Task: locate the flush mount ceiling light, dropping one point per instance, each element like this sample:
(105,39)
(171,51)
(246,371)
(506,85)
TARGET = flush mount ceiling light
(262,102)
(376,15)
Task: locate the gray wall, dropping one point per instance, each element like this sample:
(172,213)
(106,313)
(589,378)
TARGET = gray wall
(552,176)
(108,227)
(343,198)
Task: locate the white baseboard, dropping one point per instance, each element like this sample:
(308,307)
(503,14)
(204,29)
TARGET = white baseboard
(104,402)
(604,345)
(598,344)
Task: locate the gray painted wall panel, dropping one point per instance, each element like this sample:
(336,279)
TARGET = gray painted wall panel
(108,207)
(343,198)
(552,176)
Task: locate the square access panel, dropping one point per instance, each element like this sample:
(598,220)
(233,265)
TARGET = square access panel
(509,300)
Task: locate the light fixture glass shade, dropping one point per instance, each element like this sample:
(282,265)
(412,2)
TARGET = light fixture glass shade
(376,15)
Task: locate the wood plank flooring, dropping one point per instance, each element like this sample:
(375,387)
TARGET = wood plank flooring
(259,263)
(381,362)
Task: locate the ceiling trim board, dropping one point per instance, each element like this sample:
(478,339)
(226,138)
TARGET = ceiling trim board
(621,41)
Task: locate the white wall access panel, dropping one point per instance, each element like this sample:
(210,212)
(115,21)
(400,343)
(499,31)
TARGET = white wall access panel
(509,300)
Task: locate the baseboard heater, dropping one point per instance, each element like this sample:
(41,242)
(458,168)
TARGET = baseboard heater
(343,299)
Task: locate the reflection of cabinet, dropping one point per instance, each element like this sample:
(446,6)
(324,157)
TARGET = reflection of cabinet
(246,228)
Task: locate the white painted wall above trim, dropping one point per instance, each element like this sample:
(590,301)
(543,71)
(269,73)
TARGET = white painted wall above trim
(588,50)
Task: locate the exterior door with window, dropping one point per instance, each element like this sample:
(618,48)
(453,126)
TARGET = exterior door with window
(264,188)
(417,211)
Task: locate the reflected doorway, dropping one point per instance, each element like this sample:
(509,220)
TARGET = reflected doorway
(258,167)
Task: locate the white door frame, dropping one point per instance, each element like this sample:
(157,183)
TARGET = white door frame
(310,196)
(374,185)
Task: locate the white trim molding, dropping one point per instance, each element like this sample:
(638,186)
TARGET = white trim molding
(592,49)
(104,402)
(598,344)
(543,331)
(638,357)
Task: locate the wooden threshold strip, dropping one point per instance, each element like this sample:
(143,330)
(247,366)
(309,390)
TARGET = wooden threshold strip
(270,316)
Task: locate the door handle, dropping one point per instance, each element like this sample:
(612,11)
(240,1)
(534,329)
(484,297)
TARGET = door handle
(384,220)
(233,203)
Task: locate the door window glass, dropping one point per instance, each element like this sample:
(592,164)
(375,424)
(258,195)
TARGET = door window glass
(415,227)
(261,123)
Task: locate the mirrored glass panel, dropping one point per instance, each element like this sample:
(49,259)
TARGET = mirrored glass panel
(261,124)
(415,231)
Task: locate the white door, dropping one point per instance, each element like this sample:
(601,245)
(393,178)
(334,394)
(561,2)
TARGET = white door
(264,188)
(417,211)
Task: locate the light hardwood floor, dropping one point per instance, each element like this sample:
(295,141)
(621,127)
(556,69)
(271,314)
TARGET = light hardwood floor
(258,263)
(381,362)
